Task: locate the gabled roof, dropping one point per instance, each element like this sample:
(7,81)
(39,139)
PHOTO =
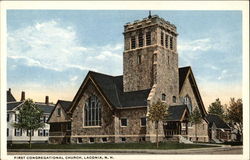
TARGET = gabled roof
(176,112)
(10,97)
(185,73)
(219,123)
(13,105)
(64,104)
(111,87)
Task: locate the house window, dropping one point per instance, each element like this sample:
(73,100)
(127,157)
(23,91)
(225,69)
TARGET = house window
(8,117)
(18,132)
(7,132)
(91,140)
(166,41)
(29,132)
(187,101)
(139,59)
(140,37)
(123,139)
(143,122)
(104,139)
(40,132)
(163,97)
(174,99)
(148,38)
(59,112)
(124,122)
(133,42)
(16,117)
(92,112)
(171,43)
(162,39)
(45,132)
(203,126)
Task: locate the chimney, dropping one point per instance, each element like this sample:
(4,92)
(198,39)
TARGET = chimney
(22,96)
(10,90)
(47,100)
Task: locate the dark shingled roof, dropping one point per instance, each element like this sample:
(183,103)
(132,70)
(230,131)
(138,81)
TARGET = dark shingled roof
(182,76)
(12,105)
(64,104)
(10,97)
(219,123)
(45,107)
(176,112)
(112,87)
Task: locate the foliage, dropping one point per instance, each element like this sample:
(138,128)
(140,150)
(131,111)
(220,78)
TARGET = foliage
(195,118)
(216,108)
(29,118)
(158,112)
(235,114)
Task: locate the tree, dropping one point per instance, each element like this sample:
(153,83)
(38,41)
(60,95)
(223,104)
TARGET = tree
(217,109)
(195,118)
(158,112)
(235,114)
(29,118)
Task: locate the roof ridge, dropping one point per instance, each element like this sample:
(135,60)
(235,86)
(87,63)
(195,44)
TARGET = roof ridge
(101,73)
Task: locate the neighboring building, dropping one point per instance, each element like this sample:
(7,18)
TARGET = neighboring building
(219,131)
(22,136)
(114,108)
(60,124)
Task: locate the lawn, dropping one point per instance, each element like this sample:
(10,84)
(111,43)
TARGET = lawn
(165,145)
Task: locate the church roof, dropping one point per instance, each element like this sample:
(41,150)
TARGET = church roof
(10,97)
(112,87)
(182,76)
(219,123)
(176,112)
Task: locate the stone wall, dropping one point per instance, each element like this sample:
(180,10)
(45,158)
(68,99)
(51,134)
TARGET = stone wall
(55,118)
(79,130)
(202,129)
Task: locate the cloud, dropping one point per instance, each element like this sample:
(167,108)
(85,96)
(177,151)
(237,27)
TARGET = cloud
(56,47)
(195,45)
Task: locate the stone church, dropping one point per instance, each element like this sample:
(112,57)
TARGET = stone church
(114,109)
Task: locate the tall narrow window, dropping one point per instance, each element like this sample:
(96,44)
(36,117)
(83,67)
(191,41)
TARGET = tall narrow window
(148,38)
(171,43)
(140,37)
(7,132)
(143,122)
(133,42)
(155,73)
(163,97)
(92,112)
(166,41)
(139,59)
(162,39)
(58,112)
(187,101)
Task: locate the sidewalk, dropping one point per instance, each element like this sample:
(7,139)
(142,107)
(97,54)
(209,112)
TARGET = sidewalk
(131,151)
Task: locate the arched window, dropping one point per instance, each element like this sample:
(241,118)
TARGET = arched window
(174,99)
(92,112)
(187,101)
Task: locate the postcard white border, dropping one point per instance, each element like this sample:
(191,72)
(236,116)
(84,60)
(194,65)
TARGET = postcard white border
(135,5)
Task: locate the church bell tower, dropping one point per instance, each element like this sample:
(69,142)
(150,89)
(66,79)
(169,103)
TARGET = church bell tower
(150,57)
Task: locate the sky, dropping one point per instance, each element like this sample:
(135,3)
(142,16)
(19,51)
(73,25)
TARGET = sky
(49,52)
